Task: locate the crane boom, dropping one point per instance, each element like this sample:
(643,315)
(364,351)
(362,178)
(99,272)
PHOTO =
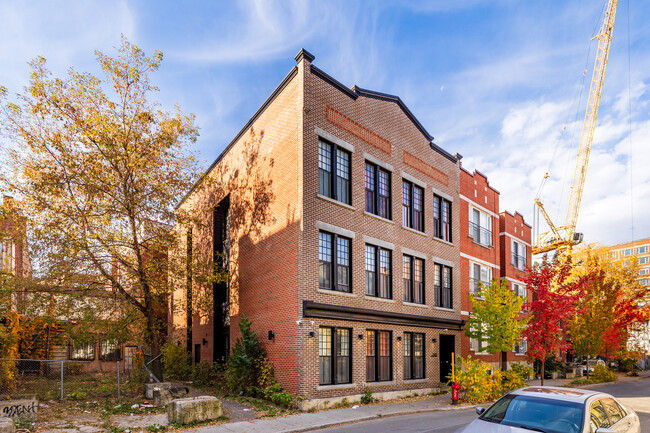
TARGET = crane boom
(564,237)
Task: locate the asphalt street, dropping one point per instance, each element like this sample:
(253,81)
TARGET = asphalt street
(635,394)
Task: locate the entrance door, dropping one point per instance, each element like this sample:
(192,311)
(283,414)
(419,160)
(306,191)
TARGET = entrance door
(447,347)
(129,353)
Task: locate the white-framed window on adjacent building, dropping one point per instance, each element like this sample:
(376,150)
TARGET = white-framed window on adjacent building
(643,261)
(478,346)
(478,274)
(642,250)
(521,292)
(644,281)
(518,255)
(627,252)
(614,254)
(644,271)
(521,347)
(480,227)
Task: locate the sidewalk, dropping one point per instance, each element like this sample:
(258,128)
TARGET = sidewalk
(329,418)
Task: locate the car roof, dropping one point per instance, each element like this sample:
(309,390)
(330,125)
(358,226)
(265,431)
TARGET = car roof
(558,393)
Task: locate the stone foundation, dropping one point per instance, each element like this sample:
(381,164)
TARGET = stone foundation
(328,402)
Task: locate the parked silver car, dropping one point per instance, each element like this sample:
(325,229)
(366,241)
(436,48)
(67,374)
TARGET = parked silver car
(555,410)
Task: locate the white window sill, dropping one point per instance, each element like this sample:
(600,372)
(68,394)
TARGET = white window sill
(520,354)
(340,203)
(376,298)
(378,217)
(413,304)
(416,380)
(482,353)
(444,241)
(452,310)
(383,383)
(336,292)
(415,231)
(341,386)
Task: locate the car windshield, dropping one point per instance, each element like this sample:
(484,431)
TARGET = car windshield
(537,414)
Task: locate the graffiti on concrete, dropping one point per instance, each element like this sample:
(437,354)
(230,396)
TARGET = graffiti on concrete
(19,409)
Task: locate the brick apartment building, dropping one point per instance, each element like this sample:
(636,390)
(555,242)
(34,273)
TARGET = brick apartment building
(356,279)
(493,246)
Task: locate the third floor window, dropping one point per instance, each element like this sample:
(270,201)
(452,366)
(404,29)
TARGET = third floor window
(412,206)
(333,172)
(518,255)
(480,227)
(441,218)
(377,191)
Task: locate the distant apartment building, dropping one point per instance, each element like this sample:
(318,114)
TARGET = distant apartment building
(14,259)
(493,246)
(361,275)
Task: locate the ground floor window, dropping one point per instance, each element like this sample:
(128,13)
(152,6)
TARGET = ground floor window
(379,356)
(334,356)
(413,355)
(110,350)
(82,351)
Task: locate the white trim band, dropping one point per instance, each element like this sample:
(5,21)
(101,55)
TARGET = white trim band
(478,206)
(515,238)
(483,262)
(513,280)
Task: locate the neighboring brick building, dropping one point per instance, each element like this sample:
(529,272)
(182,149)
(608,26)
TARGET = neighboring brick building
(356,277)
(493,246)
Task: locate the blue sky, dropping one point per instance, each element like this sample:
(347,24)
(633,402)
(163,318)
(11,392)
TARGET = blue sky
(496,81)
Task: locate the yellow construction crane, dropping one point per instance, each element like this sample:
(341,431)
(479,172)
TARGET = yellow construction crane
(564,237)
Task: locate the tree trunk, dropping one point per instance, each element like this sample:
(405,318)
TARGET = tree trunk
(504,361)
(542,375)
(154,340)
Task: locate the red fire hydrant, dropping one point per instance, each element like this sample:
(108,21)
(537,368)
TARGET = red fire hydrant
(455,389)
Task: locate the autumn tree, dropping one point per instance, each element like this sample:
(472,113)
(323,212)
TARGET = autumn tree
(554,302)
(496,319)
(98,167)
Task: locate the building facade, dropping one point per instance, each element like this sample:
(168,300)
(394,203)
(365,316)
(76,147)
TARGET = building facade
(351,266)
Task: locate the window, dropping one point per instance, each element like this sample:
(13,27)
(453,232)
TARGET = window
(521,292)
(479,274)
(412,206)
(643,260)
(598,416)
(477,345)
(613,254)
(82,351)
(334,356)
(109,350)
(378,272)
(413,277)
(377,191)
(627,252)
(613,410)
(518,255)
(644,281)
(413,356)
(441,218)
(442,286)
(480,227)
(333,172)
(334,262)
(642,250)
(379,358)
(643,271)
(521,347)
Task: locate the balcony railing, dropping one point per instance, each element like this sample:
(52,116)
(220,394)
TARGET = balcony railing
(481,235)
(518,261)
(474,286)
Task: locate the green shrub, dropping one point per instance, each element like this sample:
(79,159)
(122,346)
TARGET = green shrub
(511,380)
(176,361)
(367,396)
(625,365)
(522,370)
(281,399)
(202,374)
(77,396)
(243,366)
(603,374)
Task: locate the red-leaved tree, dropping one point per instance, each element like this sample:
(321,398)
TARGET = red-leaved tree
(553,303)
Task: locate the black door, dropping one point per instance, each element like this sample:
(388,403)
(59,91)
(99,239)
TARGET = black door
(197,353)
(447,347)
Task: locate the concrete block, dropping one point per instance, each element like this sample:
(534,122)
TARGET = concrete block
(24,408)
(149,387)
(194,409)
(570,375)
(7,425)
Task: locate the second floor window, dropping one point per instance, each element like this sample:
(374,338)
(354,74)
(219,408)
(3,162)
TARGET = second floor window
(412,206)
(643,261)
(413,277)
(378,272)
(480,227)
(479,275)
(441,218)
(642,250)
(442,286)
(333,172)
(334,262)
(518,255)
(377,191)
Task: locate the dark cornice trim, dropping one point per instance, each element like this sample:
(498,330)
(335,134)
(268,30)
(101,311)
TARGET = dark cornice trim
(331,80)
(304,54)
(257,114)
(342,312)
(453,158)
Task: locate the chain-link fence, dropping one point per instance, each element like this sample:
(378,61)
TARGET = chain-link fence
(69,380)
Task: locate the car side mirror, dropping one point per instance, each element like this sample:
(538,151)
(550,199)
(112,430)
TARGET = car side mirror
(604,430)
(480,410)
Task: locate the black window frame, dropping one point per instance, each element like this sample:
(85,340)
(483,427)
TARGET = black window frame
(375,276)
(115,355)
(441,231)
(372,196)
(335,356)
(374,361)
(334,263)
(409,211)
(86,346)
(439,271)
(331,177)
(410,361)
(409,284)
